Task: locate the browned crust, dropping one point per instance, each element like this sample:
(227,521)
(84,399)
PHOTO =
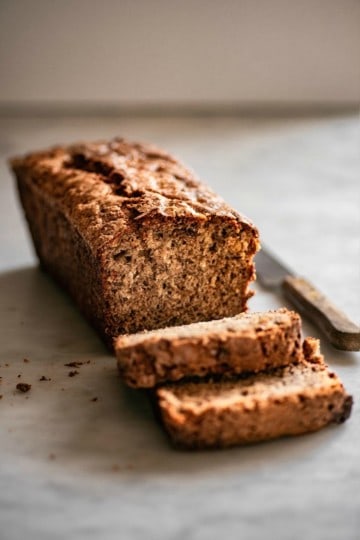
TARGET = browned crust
(202,415)
(65,254)
(107,187)
(84,201)
(245,343)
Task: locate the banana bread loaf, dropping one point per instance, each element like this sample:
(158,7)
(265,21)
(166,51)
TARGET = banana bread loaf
(134,236)
(290,400)
(246,342)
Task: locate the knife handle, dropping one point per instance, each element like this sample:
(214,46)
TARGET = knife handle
(338,328)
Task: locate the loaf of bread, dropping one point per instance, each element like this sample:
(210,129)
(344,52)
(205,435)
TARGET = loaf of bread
(290,400)
(246,342)
(134,236)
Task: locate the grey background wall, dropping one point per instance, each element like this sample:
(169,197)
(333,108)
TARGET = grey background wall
(128,52)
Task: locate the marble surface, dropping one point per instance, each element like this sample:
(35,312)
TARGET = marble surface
(71,467)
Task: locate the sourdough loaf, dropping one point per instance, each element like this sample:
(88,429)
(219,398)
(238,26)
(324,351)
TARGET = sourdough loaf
(289,400)
(134,236)
(234,345)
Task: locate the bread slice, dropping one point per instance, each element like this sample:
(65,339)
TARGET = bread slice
(290,400)
(136,239)
(246,342)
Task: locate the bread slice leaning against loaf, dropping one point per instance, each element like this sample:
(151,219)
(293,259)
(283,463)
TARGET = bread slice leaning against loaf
(234,345)
(289,400)
(133,235)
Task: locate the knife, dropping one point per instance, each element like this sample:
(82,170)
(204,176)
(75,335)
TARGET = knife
(337,327)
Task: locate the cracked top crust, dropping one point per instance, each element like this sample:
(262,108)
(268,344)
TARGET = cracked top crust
(106,187)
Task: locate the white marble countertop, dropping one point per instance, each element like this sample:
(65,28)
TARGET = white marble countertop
(74,468)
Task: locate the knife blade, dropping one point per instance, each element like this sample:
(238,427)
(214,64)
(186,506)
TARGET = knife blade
(342,333)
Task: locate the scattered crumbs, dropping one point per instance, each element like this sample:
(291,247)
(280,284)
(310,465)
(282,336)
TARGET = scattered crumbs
(26,360)
(88,362)
(6,365)
(74,364)
(43,378)
(73,373)
(63,389)
(23,387)
(52,456)
(94,399)
(19,376)
(1,396)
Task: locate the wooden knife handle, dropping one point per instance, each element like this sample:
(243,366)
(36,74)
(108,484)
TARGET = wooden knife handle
(338,328)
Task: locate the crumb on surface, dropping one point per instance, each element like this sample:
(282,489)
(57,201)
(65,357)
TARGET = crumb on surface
(73,373)
(52,456)
(26,360)
(115,468)
(23,387)
(1,396)
(73,364)
(19,375)
(43,378)
(94,399)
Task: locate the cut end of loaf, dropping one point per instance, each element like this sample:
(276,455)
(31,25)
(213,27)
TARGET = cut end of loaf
(178,273)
